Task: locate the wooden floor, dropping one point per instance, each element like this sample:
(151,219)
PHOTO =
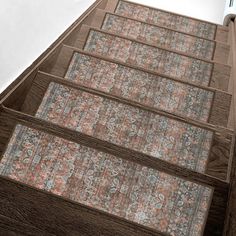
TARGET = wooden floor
(125,126)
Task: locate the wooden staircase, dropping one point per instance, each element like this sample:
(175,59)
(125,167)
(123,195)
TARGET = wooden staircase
(122,127)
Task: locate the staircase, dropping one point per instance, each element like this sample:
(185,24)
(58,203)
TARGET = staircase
(122,127)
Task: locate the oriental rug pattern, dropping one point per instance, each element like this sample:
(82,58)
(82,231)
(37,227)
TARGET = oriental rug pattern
(164,138)
(158,36)
(148,57)
(142,87)
(167,19)
(111,184)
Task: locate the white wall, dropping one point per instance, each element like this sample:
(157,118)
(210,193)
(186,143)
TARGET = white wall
(209,10)
(28,27)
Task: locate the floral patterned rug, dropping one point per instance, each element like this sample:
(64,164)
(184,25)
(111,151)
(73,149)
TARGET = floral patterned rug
(168,139)
(159,36)
(120,187)
(172,21)
(148,57)
(154,91)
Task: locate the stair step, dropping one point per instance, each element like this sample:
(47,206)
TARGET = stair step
(139,86)
(88,216)
(171,20)
(134,128)
(158,60)
(162,37)
(127,126)
(218,161)
(142,86)
(109,183)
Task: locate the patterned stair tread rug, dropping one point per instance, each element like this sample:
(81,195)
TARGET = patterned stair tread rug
(159,136)
(148,57)
(177,22)
(145,88)
(143,195)
(159,36)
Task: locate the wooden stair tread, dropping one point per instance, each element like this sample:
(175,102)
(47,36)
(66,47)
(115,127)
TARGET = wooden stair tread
(153,91)
(162,37)
(145,56)
(170,20)
(174,21)
(159,136)
(160,60)
(219,160)
(150,90)
(103,181)
(165,38)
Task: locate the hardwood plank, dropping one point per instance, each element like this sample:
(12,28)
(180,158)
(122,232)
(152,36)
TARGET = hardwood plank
(222,34)
(221,54)
(6,232)
(231,80)
(111,5)
(98,19)
(49,61)
(60,216)
(232,83)
(11,227)
(16,99)
(219,159)
(220,109)
(230,221)
(35,95)
(6,127)
(220,76)
(61,62)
